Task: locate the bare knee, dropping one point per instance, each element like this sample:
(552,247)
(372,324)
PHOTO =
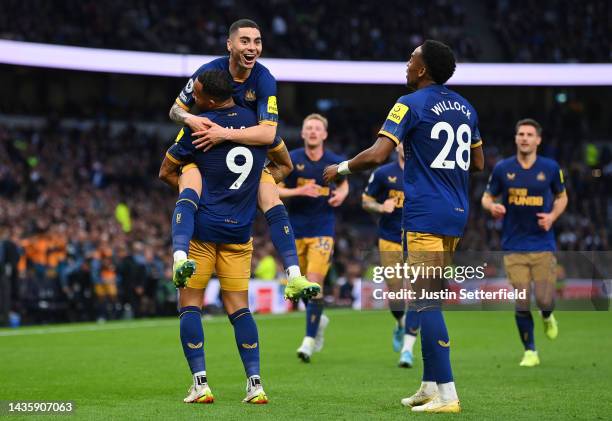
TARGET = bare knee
(191,297)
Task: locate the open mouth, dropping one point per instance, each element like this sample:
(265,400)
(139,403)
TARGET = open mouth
(249,59)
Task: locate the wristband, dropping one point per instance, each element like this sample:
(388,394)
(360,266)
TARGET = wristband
(343,168)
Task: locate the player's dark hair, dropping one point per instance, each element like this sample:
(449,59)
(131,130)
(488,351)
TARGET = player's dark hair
(216,83)
(529,122)
(242,23)
(439,60)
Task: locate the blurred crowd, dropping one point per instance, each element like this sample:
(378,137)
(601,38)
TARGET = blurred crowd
(553,30)
(85,223)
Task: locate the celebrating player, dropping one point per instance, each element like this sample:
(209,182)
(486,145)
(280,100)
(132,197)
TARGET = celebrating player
(439,129)
(311,211)
(222,241)
(254,87)
(533,196)
(384,195)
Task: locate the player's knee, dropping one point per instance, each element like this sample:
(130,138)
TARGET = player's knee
(268,201)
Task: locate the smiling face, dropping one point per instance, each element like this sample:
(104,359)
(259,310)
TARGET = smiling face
(415,68)
(244,46)
(527,139)
(314,132)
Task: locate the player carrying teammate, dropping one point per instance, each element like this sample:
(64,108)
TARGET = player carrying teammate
(439,129)
(311,211)
(533,196)
(384,195)
(222,241)
(254,87)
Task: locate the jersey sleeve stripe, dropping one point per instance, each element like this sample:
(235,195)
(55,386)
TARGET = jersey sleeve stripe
(173,159)
(561,194)
(390,136)
(268,122)
(181,104)
(477,144)
(277,147)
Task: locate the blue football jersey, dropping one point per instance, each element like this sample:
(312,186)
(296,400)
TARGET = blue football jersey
(385,183)
(438,128)
(311,217)
(257,92)
(525,192)
(230,179)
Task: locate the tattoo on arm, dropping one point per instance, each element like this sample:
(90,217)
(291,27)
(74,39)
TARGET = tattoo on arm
(178,114)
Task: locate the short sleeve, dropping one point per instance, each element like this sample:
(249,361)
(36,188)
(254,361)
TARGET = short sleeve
(494,186)
(182,150)
(267,106)
(185,97)
(374,186)
(277,144)
(476,139)
(401,119)
(558,182)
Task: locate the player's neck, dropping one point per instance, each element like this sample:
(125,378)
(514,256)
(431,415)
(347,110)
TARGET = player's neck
(226,104)
(424,84)
(526,160)
(314,153)
(239,74)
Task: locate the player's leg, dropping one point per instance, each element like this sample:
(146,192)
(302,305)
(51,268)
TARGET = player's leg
(283,239)
(519,274)
(318,252)
(233,267)
(544,272)
(183,223)
(412,324)
(190,312)
(390,255)
(433,251)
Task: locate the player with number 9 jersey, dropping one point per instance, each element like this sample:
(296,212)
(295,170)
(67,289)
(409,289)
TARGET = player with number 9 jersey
(439,127)
(231,180)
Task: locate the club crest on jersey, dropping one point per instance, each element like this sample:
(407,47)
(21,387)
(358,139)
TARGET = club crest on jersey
(300,167)
(250,95)
(510,175)
(541,176)
(392,179)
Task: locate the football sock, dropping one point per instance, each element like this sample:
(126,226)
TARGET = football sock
(314,309)
(247,340)
(524,322)
(412,322)
(398,315)
(192,338)
(546,313)
(183,220)
(409,341)
(448,391)
(436,347)
(283,239)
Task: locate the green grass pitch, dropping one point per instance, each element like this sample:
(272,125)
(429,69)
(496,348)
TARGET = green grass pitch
(136,370)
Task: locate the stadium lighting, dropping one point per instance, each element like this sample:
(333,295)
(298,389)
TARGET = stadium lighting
(295,70)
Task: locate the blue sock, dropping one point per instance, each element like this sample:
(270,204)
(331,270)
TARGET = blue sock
(183,220)
(282,235)
(314,309)
(247,340)
(435,347)
(412,322)
(192,338)
(524,322)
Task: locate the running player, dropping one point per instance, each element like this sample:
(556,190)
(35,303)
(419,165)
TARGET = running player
(254,87)
(311,211)
(439,129)
(384,195)
(222,240)
(533,196)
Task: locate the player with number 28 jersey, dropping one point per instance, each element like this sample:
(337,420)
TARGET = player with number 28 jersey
(438,127)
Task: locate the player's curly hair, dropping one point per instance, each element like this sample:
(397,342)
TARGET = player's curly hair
(439,60)
(216,83)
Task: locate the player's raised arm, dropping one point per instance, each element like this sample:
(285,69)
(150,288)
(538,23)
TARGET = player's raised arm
(179,112)
(372,157)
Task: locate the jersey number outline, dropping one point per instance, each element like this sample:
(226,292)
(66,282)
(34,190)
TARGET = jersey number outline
(464,146)
(244,170)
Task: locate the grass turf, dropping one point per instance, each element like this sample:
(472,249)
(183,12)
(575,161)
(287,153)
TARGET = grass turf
(136,370)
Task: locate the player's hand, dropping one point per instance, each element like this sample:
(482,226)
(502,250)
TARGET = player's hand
(197,123)
(330,173)
(388,205)
(545,220)
(209,137)
(337,197)
(310,190)
(498,210)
